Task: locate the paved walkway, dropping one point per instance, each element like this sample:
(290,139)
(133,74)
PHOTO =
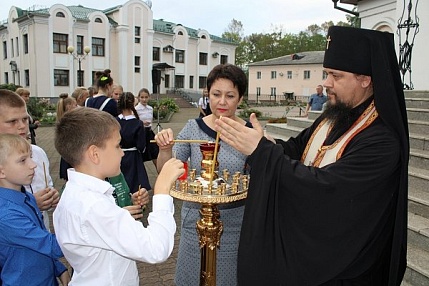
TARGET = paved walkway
(158,274)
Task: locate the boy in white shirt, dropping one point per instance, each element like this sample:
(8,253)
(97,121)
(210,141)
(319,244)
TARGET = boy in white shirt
(100,240)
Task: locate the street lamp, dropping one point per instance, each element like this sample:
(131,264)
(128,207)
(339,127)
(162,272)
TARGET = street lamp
(79,58)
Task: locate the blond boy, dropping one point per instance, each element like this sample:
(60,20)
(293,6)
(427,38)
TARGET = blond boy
(29,253)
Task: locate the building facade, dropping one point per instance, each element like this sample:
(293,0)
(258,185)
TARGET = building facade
(385,15)
(126,39)
(289,77)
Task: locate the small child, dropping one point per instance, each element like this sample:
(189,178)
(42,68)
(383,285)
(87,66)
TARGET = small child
(29,253)
(100,240)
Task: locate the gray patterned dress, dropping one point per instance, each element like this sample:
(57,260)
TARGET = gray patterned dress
(231,215)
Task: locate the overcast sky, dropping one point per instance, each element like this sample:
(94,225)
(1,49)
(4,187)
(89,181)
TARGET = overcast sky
(215,15)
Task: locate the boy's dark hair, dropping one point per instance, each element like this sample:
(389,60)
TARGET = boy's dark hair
(81,128)
(230,72)
(126,101)
(10,99)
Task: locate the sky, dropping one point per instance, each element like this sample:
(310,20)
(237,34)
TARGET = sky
(257,16)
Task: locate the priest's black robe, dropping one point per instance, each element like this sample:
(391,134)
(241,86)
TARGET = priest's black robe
(335,225)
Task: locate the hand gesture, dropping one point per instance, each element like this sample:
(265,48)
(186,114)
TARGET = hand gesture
(164,139)
(47,198)
(237,135)
(171,170)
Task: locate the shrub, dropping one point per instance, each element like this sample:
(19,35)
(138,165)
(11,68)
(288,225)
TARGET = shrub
(166,106)
(245,113)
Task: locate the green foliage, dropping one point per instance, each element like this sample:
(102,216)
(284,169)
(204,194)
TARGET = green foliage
(9,86)
(166,106)
(39,107)
(245,113)
(258,47)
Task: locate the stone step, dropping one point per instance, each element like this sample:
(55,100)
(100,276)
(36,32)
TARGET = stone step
(420,114)
(418,232)
(416,94)
(418,141)
(417,273)
(418,179)
(313,115)
(417,103)
(282,131)
(418,127)
(300,122)
(418,202)
(419,159)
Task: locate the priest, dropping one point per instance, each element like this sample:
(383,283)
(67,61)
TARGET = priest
(329,207)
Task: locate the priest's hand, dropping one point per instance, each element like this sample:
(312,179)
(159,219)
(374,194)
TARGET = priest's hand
(237,135)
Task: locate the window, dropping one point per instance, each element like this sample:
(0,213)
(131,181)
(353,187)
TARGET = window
(61,78)
(180,56)
(258,75)
(167,80)
(137,64)
(203,37)
(324,75)
(202,82)
(273,74)
(180,33)
(27,77)
(156,53)
(258,91)
(97,47)
(25,43)
(307,74)
(79,43)
(60,15)
(6,78)
(4,50)
(98,20)
(137,30)
(80,78)
(12,48)
(60,43)
(223,59)
(17,46)
(191,81)
(179,79)
(289,74)
(273,91)
(203,59)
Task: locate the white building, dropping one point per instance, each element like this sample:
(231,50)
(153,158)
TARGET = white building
(295,76)
(384,15)
(125,39)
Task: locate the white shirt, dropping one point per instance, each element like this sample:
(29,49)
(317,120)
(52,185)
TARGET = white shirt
(101,241)
(203,102)
(39,182)
(145,112)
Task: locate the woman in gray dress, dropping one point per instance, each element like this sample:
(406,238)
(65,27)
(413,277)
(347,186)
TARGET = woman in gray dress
(226,85)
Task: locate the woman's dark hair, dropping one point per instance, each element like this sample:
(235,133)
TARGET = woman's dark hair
(230,72)
(126,101)
(103,80)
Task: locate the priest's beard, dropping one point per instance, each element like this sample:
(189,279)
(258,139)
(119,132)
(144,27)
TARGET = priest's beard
(339,113)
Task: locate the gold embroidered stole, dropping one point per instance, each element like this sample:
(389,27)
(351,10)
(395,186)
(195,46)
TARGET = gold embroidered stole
(318,155)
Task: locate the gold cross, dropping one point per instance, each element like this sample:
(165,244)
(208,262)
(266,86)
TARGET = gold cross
(328,40)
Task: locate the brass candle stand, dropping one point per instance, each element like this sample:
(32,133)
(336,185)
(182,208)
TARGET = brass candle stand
(210,189)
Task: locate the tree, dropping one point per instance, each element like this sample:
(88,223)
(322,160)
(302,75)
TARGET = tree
(235,33)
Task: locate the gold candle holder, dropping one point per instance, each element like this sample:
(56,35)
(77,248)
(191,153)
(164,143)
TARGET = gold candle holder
(210,190)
